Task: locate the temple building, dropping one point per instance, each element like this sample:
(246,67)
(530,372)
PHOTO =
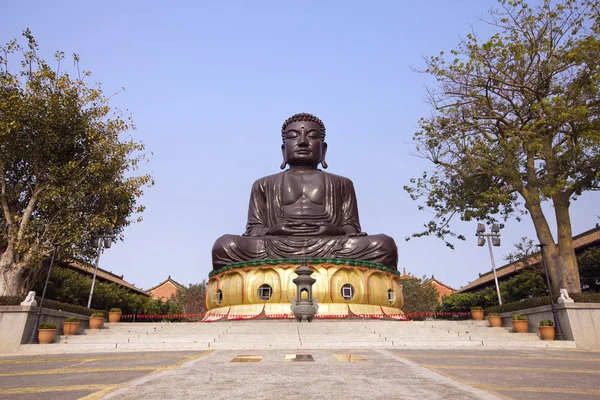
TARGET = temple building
(442,289)
(404,275)
(581,243)
(165,290)
(101,275)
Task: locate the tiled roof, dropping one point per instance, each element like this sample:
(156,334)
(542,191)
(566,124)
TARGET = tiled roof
(103,274)
(169,279)
(406,276)
(580,241)
(433,280)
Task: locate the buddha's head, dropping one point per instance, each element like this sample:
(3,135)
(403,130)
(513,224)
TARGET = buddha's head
(304,144)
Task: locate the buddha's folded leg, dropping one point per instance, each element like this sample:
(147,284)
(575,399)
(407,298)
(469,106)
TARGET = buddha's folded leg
(379,249)
(234,248)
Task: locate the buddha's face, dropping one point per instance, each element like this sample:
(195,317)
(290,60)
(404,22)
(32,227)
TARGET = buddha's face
(303,145)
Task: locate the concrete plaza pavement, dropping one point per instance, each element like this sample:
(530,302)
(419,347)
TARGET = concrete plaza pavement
(369,374)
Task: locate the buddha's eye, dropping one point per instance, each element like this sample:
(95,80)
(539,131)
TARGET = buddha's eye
(291,135)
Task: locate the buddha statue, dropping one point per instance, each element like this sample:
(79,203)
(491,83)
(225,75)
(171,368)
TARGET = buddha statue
(304,211)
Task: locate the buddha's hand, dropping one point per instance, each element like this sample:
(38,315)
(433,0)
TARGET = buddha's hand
(328,229)
(358,234)
(282,229)
(305,228)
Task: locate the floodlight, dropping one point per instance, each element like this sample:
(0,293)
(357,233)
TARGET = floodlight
(480,241)
(495,228)
(480,228)
(496,241)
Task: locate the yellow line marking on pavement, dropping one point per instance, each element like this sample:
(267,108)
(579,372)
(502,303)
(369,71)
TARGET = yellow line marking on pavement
(180,363)
(582,371)
(100,394)
(99,390)
(47,389)
(483,357)
(108,358)
(536,389)
(62,371)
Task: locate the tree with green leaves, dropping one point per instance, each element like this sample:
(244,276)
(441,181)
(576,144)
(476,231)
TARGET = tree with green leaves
(418,296)
(66,164)
(515,123)
(192,299)
(589,268)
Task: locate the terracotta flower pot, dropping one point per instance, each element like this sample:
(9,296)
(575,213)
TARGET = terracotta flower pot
(477,315)
(495,321)
(46,336)
(547,332)
(114,316)
(96,322)
(70,328)
(520,326)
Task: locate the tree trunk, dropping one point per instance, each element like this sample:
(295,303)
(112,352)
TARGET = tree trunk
(10,274)
(568,260)
(550,250)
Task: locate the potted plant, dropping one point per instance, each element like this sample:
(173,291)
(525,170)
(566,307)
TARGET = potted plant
(547,330)
(114,315)
(495,320)
(46,332)
(71,326)
(477,313)
(520,324)
(96,320)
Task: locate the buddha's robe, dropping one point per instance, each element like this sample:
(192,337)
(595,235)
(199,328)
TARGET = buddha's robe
(339,209)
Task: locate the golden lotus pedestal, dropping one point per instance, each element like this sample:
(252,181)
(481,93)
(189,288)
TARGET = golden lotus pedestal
(343,288)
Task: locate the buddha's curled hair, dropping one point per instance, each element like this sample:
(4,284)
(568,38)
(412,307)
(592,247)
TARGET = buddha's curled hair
(303,117)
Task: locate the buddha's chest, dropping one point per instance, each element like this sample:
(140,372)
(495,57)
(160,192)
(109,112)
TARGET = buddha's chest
(303,188)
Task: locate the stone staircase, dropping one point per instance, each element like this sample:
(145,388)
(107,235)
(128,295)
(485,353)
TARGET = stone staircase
(289,334)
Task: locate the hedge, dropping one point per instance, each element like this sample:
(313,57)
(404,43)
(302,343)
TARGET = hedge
(11,300)
(75,309)
(542,301)
(51,304)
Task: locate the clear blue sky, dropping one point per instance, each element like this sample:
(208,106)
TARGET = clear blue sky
(209,84)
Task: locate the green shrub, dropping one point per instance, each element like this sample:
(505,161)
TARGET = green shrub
(97,315)
(519,317)
(493,314)
(543,301)
(588,297)
(75,309)
(114,309)
(47,325)
(11,300)
(476,308)
(546,322)
(72,319)
(521,305)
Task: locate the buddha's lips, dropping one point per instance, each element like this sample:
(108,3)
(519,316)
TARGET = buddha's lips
(303,152)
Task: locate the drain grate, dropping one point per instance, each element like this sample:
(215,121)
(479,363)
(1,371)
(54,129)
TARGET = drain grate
(298,358)
(246,359)
(349,358)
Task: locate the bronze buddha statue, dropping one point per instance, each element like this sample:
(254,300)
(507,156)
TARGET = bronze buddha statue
(304,211)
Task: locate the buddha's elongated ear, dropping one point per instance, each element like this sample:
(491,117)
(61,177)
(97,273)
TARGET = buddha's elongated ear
(323,152)
(283,164)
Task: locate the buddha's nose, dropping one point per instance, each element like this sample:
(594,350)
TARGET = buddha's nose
(303,140)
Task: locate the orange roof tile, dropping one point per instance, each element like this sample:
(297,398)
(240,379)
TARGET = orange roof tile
(406,276)
(169,279)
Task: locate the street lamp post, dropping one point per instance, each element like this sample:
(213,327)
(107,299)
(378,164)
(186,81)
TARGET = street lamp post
(492,238)
(559,332)
(38,315)
(104,241)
